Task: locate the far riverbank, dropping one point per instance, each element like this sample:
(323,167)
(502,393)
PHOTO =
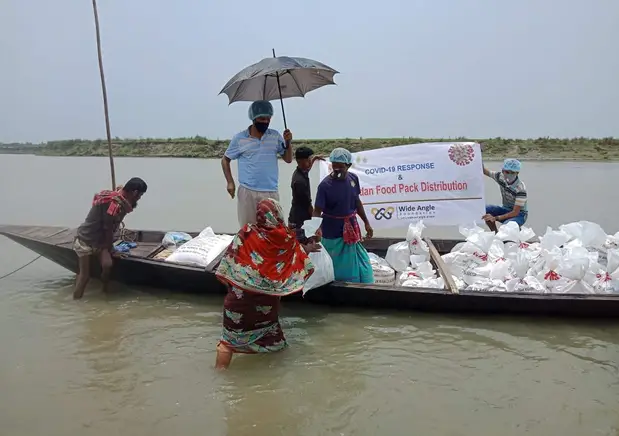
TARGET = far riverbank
(543,149)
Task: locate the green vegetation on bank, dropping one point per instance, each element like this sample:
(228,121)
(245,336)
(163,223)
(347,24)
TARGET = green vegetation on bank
(200,147)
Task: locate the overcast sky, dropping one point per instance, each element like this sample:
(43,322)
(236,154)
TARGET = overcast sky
(433,68)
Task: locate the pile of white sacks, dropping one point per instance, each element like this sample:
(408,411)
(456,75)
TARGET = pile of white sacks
(407,263)
(576,258)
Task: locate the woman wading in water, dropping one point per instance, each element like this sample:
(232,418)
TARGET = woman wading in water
(264,263)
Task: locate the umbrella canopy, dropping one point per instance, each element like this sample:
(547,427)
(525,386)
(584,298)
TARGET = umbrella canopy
(297,77)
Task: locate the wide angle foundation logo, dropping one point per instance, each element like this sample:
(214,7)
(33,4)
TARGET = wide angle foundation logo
(382,212)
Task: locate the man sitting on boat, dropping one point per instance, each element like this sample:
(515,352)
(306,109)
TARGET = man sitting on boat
(95,236)
(338,203)
(256,149)
(301,208)
(513,192)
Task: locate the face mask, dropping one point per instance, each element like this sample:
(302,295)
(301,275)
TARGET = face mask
(510,178)
(338,174)
(261,127)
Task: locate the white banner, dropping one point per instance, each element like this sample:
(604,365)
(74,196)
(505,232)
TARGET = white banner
(440,182)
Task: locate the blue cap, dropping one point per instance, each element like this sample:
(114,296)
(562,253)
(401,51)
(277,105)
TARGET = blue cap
(512,165)
(340,155)
(260,108)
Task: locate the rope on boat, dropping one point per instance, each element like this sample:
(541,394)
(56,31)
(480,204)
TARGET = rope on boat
(126,234)
(21,267)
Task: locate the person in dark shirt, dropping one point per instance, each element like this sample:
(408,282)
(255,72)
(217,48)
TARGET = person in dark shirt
(301,209)
(338,202)
(95,236)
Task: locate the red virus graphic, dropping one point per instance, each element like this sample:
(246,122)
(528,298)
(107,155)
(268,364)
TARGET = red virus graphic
(461,154)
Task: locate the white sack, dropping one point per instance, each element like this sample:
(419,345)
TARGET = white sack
(201,250)
(323,270)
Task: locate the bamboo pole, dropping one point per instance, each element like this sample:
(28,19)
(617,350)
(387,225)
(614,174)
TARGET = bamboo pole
(104,91)
(442,268)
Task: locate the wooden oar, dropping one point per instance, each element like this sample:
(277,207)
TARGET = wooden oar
(442,268)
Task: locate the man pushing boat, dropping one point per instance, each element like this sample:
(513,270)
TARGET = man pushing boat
(256,149)
(95,236)
(513,192)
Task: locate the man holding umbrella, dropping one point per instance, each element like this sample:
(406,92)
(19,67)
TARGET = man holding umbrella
(256,149)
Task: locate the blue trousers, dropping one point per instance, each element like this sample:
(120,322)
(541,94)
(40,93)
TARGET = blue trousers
(500,210)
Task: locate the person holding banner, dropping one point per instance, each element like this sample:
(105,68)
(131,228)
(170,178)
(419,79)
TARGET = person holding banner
(514,194)
(338,202)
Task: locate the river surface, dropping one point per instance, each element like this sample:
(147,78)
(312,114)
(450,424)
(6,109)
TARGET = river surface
(139,362)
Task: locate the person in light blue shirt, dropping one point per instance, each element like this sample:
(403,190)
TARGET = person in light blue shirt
(256,149)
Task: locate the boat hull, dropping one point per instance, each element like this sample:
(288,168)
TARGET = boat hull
(54,243)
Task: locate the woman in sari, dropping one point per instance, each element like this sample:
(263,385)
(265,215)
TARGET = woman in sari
(338,203)
(264,263)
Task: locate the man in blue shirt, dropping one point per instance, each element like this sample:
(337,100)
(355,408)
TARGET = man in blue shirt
(256,149)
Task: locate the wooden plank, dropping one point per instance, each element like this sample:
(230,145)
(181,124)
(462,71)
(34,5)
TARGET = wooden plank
(442,268)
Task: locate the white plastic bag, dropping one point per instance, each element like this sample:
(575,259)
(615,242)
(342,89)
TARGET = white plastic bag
(487,285)
(413,236)
(311,226)
(607,279)
(202,250)
(398,255)
(421,271)
(512,233)
(588,234)
(175,239)
(521,281)
(546,267)
(469,231)
(383,273)
(458,262)
(568,272)
(499,270)
(574,268)
(323,270)
(435,283)
(416,259)
(527,284)
(517,240)
(553,238)
(612,241)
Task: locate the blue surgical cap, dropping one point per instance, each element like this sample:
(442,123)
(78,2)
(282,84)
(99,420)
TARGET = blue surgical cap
(340,155)
(512,165)
(260,108)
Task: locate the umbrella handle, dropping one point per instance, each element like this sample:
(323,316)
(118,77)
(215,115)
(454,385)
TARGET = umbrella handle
(281,100)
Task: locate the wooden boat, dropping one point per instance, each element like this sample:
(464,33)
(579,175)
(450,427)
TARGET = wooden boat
(142,268)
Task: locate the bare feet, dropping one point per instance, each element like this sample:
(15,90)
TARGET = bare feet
(224,357)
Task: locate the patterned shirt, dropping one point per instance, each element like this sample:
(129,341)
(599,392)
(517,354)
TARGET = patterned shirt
(514,194)
(258,168)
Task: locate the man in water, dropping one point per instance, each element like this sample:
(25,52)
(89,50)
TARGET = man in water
(301,209)
(338,202)
(513,192)
(95,236)
(256,149)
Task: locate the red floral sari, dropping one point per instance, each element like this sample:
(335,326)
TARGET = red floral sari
(266,257)
(263,263)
